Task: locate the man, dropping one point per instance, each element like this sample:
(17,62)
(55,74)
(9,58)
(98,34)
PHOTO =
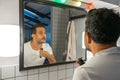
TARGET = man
(101,33)
(36,51)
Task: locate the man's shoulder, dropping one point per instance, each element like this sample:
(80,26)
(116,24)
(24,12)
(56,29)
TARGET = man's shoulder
(46,45)
(26,43)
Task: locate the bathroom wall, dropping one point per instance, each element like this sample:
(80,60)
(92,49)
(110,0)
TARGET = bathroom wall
(9,12)
(60,72)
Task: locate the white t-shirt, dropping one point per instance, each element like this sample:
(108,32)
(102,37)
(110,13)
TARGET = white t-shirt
(105,65)
(32,57)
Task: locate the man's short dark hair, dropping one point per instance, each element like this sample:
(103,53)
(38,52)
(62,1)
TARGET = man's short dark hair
(103,25)
(37,26)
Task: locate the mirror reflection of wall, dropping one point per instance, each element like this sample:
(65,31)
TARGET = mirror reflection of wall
(64,29)
(60,19)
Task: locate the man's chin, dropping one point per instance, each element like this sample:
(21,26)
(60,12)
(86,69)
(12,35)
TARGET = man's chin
(43,41)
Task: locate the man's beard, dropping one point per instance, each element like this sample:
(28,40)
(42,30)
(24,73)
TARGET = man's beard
(43,40)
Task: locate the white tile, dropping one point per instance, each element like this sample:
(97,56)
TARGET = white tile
(21,78)
(9,79)
(61,74)
(69,78)
(43,76)
(69,73)
(33,71)
(60,67)
(42,70)
(53,68)
(69,65)
(61,79)
(0,73)
(8,72)
(20,73)
(53,75)
(33,77)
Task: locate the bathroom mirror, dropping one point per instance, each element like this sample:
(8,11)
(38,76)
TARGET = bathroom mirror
(61,30)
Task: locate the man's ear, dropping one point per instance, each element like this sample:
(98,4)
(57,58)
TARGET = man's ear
(88,37)
(33,35)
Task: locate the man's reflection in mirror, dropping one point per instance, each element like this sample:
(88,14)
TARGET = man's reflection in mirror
(37,51)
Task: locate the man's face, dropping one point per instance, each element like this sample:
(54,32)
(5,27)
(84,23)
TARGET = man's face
(40,35)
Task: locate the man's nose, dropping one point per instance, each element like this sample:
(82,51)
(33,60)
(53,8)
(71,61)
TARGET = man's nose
(44,35)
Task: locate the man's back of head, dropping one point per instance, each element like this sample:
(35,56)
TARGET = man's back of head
(103,25)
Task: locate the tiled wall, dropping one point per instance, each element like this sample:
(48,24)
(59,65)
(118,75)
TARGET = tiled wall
(60,19)
(60,72)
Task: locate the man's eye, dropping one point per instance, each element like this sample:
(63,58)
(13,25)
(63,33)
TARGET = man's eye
(40,32)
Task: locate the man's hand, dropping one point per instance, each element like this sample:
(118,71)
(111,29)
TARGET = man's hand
(44,53)
(80,61)
(50,57)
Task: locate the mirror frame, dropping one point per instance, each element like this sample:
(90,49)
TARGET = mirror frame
(21,21)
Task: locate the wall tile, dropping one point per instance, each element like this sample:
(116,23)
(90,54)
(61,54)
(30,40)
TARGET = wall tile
(60,67)
(9,79)
(20,73)
(42,70)
(43,76)
(33,71)
(21,78)
(62,79)
(8,72)
(61,74)
(33,77)
(53,75)
(0,73)
(69,73)
(69,65)
(53,68)
(69,78)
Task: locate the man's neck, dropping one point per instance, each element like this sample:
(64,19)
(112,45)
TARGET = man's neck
(100,47)
(35,45)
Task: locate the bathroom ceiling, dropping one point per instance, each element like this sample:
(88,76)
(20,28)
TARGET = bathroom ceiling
(35,13)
